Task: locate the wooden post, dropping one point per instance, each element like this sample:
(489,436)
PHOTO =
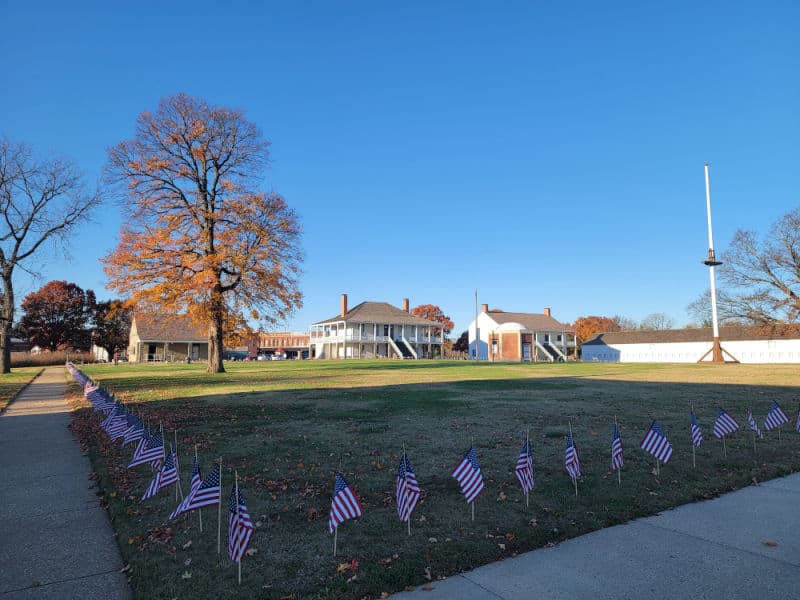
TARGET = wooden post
(219,511)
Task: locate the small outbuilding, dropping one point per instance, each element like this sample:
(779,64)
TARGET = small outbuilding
(166,338)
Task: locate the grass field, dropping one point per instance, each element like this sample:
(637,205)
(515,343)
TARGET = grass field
(12,383)
(286,427)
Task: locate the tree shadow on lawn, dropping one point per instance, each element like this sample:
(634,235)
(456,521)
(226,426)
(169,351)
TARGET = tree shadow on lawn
(287,446)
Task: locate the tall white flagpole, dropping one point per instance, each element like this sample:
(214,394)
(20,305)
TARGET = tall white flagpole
(711,262)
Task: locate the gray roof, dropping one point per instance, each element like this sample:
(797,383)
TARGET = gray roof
(729,333)
(532,321)
(377,312)
(168,328)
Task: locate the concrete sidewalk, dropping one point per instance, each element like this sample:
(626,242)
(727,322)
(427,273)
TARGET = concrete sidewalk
(713,549)
(56,541)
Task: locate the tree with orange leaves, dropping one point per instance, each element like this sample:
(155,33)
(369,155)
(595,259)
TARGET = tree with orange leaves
(435,314)
(199,237)
(587,327)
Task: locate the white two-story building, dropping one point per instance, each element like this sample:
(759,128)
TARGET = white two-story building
(375,330)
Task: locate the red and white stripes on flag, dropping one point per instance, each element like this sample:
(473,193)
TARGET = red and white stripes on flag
(697,435)
(775,417)
(524,468)
(571,461)
(616,450)
(753,425)
(468,475)
(406,490)
(656,443)
(206,494)
(240,526)
(724,424)
(344,506)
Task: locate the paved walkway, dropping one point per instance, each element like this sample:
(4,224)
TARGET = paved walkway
(708,550)
(55,540)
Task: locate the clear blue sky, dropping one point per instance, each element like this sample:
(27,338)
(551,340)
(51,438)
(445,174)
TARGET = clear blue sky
(545,154)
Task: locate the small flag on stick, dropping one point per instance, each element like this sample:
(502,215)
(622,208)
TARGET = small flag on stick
(753,425)
(616,450)
(468,475)
(240,526)
(697,435)
(725,424)
(407,489)
(656,443)
(344,506)
(206,494)
(524,468)
(775,417)
(571,461)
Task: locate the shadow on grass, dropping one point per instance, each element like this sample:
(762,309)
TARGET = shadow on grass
(287,445)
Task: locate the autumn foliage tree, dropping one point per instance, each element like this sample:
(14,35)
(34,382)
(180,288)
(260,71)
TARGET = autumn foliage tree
(431,312)
(199,236)
(111,325)
(588,327)
(56,316)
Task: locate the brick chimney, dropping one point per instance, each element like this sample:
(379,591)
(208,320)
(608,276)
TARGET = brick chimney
(343,309)
(547,312)
(405,305)
(485,308)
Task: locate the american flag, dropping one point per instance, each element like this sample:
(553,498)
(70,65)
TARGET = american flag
(571,461)
(656,443)
(724,424)
(524,468)
(797,423)
(240,526)
(151,452)
(195,486)
(135,432)
(208,494)
(468,475)
(169,472)
(407,489)
(697,435)
(616,450)
(775,417)
(164,477)
(753,425)
(344,506)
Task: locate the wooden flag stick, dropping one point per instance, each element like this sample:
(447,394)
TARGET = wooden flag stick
(236,485)
(163,445)
(575,481)
(724,449)
(472,505)
(199,510)
(178,489)
(335,535)
(694,461)
(219,511)
(754,442)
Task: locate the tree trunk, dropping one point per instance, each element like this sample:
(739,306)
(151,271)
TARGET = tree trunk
(215,333)
(6,320)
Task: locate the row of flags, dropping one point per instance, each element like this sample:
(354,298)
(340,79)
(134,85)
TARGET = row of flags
(345,504)
(121,425)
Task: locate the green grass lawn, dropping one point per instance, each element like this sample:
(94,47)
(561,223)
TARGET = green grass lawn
(12,383)
(287,427)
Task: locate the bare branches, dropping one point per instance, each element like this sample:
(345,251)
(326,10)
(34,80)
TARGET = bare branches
(40,201)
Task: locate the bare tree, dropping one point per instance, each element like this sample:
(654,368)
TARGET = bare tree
(657,321)
(41,203)
(765,274)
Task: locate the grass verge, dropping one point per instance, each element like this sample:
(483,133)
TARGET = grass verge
(286,427)
(12,383)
